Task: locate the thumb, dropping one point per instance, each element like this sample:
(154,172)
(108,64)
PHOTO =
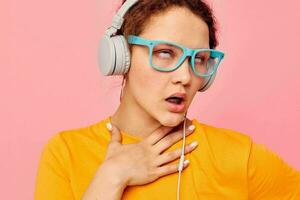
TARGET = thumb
(115,133)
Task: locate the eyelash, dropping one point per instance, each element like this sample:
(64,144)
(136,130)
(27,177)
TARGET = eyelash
(164,51)
(203,59)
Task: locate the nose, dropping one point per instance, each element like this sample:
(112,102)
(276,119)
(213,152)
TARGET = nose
(183,73)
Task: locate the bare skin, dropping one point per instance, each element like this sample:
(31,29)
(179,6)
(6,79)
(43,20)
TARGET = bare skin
(137,163)
(143,111)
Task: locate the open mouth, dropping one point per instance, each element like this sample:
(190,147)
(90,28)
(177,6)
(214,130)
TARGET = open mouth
(175,100)
(175,104)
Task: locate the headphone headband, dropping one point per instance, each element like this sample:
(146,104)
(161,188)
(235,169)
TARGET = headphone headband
(114,53)
(118,19)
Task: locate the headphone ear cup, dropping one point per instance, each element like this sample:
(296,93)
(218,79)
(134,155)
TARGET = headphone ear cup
(106,56)
(114,55)
(208,81)
(122,55)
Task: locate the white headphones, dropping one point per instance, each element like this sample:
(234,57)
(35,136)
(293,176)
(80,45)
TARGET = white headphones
(114,54)
(114,59)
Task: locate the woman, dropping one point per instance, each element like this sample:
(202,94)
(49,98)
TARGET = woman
(134,154)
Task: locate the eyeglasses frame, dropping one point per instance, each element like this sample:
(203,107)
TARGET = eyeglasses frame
(133,39)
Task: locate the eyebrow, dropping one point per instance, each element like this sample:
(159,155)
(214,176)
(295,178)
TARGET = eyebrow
(172,43)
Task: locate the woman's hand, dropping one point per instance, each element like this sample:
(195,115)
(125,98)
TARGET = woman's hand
(143,162)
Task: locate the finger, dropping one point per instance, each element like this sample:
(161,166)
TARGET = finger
(173,155)
(162,131)
(115,133)
(171,139)
(180,126)
(169,169)
(158,134)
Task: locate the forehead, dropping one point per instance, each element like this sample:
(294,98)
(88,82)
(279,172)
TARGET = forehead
(180,25)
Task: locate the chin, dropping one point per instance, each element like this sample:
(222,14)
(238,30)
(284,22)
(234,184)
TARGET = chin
(171,119)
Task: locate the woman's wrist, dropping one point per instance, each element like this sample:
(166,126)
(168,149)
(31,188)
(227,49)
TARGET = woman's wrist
(106,185)
(113,175)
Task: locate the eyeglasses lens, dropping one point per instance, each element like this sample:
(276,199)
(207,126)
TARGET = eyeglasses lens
(166,57)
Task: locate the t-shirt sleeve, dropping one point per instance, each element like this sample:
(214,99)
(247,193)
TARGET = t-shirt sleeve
(269,177)
(52,180)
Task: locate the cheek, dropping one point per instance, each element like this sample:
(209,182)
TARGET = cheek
(144,79)
(198,83)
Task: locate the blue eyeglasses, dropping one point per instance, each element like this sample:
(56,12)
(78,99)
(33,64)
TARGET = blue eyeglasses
(167,56)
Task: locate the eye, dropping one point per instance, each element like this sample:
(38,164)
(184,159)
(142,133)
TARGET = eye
(200,59)
(164,53)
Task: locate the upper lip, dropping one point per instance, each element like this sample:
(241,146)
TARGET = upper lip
(179,95)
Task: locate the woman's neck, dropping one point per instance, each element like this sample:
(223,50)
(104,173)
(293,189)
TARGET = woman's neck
(132,119)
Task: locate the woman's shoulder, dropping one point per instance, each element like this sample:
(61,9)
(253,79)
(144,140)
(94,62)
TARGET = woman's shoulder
(222,135)
(228,148)
(97,131)
(88,135)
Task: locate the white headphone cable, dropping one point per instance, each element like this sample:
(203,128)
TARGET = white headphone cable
(180,166)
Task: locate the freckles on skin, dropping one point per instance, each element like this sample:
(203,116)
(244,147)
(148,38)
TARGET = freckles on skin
(150,87)
(146,79)
(188,29)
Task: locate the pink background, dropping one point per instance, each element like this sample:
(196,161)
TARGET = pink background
(50,80)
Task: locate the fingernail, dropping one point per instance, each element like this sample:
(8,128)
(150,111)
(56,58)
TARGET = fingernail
(191,127)
(109,126)
(194,144)
(186,162)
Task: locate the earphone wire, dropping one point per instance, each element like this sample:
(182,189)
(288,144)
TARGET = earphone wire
(122,87)
(180,167)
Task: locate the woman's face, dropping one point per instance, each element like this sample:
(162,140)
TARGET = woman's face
(148,87)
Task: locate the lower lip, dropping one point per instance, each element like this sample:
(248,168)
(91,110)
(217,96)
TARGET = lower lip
(177,108)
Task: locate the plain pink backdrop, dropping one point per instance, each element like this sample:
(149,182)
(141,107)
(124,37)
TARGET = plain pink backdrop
(50,80)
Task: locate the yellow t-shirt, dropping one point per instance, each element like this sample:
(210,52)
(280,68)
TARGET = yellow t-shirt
(225,165)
